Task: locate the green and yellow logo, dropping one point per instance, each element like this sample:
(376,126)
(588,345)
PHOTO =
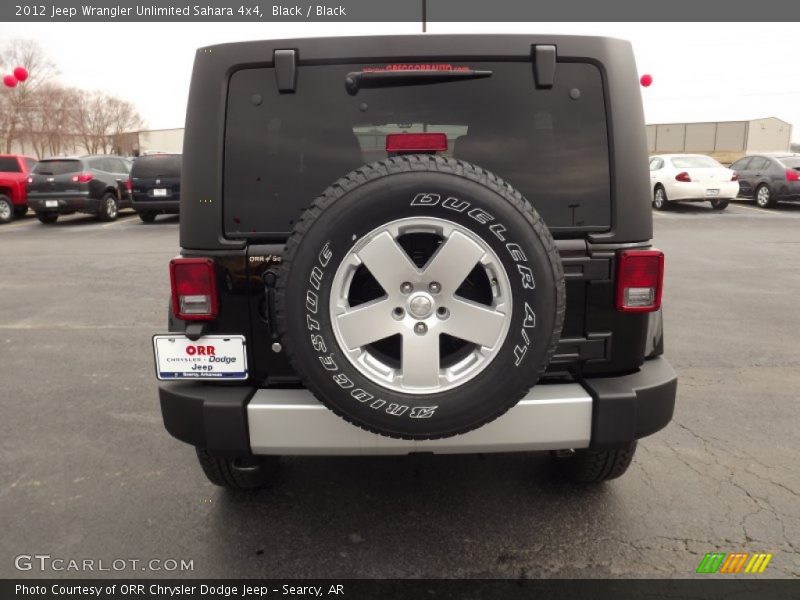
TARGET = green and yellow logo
(735,562)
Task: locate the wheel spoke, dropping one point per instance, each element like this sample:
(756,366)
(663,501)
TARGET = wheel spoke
(388,262)
(454,260)
(474,322)
(420,361)
(367,323)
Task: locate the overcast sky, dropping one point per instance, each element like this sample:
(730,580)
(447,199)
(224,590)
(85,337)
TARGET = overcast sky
(701,71)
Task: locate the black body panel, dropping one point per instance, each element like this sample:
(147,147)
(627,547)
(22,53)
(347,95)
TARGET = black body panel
(204,143)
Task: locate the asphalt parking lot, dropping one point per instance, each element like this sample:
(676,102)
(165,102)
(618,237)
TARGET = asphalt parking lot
(89,471)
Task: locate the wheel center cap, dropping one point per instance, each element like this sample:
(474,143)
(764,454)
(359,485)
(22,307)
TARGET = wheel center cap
(420,306)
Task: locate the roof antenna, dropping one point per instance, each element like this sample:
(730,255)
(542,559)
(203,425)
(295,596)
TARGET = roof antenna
(424,15)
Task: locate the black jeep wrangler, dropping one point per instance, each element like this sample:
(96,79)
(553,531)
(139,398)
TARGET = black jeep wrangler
(415,244)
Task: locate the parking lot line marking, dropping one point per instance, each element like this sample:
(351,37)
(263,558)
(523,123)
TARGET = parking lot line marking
(752,208)
(113,223)
(18,224)
(664,215)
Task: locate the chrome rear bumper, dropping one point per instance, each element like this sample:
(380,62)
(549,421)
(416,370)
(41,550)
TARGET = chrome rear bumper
(293,422)
(600,412)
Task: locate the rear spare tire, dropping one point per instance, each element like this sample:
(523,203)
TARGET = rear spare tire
(420,297)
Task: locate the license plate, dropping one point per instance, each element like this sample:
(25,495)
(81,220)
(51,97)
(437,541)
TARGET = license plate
(713,192)
(51,203)
(160,192)
(210,357)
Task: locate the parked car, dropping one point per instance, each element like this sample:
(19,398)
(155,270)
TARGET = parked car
(86,184)
(326,306)
(691,178)
(13,191)
(769,178)
(155,185)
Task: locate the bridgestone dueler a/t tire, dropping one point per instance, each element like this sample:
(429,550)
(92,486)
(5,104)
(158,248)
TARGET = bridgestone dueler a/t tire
(426,187)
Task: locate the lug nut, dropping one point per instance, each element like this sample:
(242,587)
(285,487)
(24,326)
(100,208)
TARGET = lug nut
(398,313)
(276,347)
(406,288)
(420,329)
(435,287)
(442,312)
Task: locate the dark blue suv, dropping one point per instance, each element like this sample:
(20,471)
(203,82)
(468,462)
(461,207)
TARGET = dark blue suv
(155,185)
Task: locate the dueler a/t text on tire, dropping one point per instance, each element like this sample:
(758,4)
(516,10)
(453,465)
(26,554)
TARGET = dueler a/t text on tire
(420,297)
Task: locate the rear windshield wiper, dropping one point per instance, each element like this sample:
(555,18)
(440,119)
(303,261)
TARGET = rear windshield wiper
(374,79)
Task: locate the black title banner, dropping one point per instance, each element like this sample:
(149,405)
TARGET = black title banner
(256,11)
(394,589)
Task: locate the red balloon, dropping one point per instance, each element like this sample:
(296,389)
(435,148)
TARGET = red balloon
(10,81)
(646,80)
(21,73)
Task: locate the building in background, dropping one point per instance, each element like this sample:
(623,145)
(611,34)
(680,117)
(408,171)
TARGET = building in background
(726,141)
(137,143)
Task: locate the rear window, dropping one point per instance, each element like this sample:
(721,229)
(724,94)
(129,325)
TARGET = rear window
(9,164)
(157,165)
(695,162)
(791,163)
(282,150)
(57,167)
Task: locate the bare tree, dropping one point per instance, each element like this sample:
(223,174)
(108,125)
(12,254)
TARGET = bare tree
(47,120)
(98,117)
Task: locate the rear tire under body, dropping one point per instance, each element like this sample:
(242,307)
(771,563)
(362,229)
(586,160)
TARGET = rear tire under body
(719,204)
(109,207)
(595,466)
(237,475)
(47,218)
(6,210)
(660,201)
(763,196)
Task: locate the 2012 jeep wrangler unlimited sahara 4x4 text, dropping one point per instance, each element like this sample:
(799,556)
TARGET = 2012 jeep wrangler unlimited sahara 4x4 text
(415,244)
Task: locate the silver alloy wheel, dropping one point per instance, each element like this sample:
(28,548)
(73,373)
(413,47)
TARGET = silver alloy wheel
(5,210)
(762,197)
(415,311)
(659,199)
(111,207)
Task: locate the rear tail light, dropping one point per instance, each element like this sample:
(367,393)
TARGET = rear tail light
(640,274)
(82,178)
(128,185)
(194,288)
(735,176)
(792,175)
(416,142)
(683,176)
